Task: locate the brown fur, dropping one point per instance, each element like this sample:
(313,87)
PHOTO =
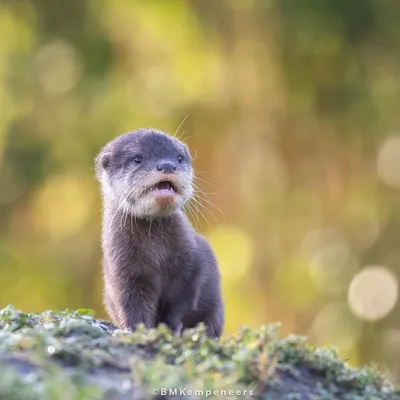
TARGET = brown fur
(156,268)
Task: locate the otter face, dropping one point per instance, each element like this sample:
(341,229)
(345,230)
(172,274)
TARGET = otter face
(146,173)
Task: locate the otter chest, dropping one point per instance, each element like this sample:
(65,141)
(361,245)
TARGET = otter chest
(151,253)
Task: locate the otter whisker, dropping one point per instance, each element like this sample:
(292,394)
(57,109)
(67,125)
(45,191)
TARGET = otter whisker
(198,207)
(197,204)
(198,186)
(204,181)
(126,209)
(123,123)
(127,197)
(195,156)
(124,212)
(202,191)
(183,121)
(182,137)
(199,199)
(120,205)
(198,214)
(192,212)
(202,196)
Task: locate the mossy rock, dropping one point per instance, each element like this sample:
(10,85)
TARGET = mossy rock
(71,355)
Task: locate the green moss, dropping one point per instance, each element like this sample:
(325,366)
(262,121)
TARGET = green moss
(71,355)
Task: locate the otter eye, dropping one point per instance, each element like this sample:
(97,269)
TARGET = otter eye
(138,159)
(181,159)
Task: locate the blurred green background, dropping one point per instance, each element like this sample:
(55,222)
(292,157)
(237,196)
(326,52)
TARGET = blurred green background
(291,109)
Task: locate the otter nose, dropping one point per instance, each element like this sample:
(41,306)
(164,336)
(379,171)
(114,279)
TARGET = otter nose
(167,167)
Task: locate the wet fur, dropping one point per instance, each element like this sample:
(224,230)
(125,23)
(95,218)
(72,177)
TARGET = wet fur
(156,269)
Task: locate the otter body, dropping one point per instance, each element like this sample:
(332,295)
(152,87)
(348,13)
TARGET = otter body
(156,267)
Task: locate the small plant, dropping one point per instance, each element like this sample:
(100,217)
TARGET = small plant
(72,355)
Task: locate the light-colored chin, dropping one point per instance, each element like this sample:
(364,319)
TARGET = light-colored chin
(157,205)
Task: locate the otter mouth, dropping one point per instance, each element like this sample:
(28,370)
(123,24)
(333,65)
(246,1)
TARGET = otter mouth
(164,187)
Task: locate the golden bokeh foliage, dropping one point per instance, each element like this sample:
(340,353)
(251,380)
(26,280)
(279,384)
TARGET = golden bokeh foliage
(290,109)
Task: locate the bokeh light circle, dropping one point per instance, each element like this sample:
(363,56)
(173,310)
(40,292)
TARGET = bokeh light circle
(324,329)
(388,161)
(373,293)
(328,264)
(58,67)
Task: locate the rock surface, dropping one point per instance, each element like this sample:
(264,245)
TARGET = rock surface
(72,355)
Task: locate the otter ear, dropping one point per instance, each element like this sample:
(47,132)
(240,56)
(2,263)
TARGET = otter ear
(105,160)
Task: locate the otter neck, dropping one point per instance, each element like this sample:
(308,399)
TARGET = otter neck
(119,221)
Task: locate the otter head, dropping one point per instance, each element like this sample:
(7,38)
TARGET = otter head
(146,173)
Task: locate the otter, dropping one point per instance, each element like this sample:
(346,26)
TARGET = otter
(156,267)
